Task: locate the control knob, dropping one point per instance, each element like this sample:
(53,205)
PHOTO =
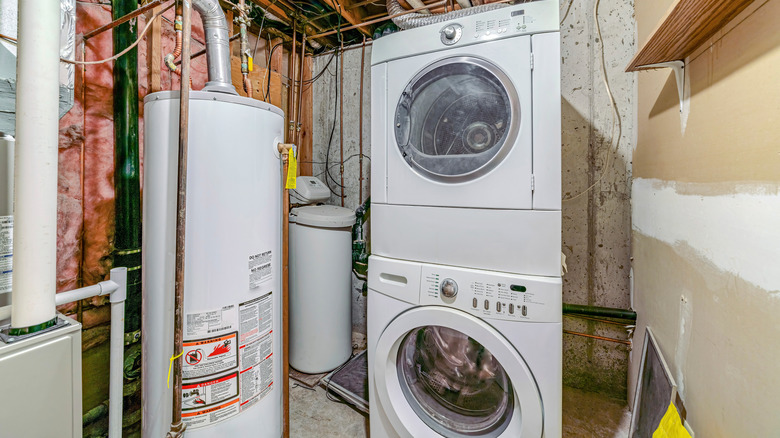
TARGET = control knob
(449,288)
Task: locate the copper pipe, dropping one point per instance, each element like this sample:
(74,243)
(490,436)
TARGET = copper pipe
(341,122)
(390,17)
(360,94)
(83,158)
(130,16)
(590,318)
(301,66)
(177,426)
(242,20)
(602,338)
(291,88)
(286,250)
(366,23)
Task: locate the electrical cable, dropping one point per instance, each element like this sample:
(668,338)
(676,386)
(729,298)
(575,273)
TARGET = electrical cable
(566,14)
(333,127)
(268,64)
(129,48)
(616,121)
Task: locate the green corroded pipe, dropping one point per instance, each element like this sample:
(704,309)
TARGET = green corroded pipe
(604,312)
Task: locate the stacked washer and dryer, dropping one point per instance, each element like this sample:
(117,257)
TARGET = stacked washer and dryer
(464,301)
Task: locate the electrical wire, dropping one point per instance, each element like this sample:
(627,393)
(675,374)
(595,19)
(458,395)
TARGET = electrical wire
(566,14)
(616,121)
(333,127)
(129,48)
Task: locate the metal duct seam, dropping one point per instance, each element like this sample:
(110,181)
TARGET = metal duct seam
(217,46)
(409,21)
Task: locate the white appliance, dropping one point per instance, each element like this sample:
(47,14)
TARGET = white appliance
(320,280)
(458,352)
(466,141)
(232,279)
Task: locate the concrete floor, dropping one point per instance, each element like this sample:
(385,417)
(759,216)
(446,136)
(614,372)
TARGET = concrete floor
(585,414)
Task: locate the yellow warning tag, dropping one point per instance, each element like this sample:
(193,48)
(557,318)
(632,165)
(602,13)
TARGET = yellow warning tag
(671,425)
(251,64)
(292,170)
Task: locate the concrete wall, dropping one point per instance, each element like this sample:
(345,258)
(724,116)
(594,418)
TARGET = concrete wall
(596,225)
(325,103)
(705,223)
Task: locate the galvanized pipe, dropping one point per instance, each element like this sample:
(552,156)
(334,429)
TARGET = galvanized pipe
(217,46)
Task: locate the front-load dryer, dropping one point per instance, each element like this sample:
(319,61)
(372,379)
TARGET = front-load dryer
(455,352)
(466,141)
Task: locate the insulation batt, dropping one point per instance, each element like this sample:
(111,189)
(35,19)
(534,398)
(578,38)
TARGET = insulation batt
(98,139)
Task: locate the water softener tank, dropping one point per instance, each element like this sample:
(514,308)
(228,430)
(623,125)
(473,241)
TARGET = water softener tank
(232,280)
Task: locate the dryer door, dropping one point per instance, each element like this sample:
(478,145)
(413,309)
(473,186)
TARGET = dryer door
(460,127)
(454,121)
(442,372)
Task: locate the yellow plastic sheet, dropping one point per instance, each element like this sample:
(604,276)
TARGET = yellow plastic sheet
(671,425)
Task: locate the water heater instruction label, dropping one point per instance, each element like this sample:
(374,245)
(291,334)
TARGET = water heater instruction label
(207,323)
(210,356)
(256,347)
(260,268)
(6,252)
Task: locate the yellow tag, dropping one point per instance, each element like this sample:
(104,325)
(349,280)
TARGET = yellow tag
(671,426)
(251,65)
(170,365)
(292,170)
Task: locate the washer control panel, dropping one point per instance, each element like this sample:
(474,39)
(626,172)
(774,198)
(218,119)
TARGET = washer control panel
(451,34)
(492,295)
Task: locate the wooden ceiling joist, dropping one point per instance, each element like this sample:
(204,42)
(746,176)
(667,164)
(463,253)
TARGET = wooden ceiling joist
(353,16)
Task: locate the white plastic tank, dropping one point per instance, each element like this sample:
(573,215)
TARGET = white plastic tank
(320,287)
(232,280)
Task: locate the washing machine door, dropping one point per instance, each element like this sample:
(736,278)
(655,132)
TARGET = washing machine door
(457,119)
(442,372)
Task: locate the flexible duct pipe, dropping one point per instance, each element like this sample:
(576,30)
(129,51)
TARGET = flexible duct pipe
(35,181)
(217,45)
(409,21)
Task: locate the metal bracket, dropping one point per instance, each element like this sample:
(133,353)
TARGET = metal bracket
(679,74)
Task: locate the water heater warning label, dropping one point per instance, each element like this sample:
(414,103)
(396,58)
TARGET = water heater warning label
(210,356)
(6,252)
(199,395)
(259,268)
(256,349)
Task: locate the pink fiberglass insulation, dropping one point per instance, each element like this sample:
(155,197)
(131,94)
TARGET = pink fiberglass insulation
(89,124)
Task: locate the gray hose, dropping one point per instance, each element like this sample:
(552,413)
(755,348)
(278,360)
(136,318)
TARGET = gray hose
(215,28)
(414,19)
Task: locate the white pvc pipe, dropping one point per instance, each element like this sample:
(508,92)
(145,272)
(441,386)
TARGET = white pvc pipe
(35,180)
(117,350)
(102,288)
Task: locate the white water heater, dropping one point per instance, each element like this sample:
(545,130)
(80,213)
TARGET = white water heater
(232,278)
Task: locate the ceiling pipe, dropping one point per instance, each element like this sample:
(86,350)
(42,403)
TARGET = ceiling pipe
(217,35)
(35,179)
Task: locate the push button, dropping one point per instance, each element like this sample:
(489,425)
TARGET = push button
(511,309)
(498,306)
(474,303)
(487,305)
(524,311)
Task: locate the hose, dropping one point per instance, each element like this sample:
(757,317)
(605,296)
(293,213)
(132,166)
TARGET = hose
(409,21)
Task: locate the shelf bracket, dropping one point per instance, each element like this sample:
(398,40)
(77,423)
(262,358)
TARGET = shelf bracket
(679,74)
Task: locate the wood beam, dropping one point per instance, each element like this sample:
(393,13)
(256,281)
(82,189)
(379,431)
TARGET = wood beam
(353,16)
(154,52)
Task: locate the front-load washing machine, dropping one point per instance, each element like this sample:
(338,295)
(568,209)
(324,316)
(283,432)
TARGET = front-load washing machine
(466,141)
(456,352)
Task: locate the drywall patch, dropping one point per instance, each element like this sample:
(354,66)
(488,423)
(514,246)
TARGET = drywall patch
(737,231)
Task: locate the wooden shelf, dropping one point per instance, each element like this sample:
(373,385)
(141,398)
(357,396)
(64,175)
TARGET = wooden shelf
(687,25)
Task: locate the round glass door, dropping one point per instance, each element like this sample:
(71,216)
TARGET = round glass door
(453,383)
(457,119)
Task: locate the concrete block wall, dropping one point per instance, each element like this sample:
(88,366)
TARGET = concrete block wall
(596,225)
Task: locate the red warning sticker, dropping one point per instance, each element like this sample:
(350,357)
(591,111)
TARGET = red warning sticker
(210,356)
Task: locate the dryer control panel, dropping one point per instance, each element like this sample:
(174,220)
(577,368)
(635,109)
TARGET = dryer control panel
(492,295)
